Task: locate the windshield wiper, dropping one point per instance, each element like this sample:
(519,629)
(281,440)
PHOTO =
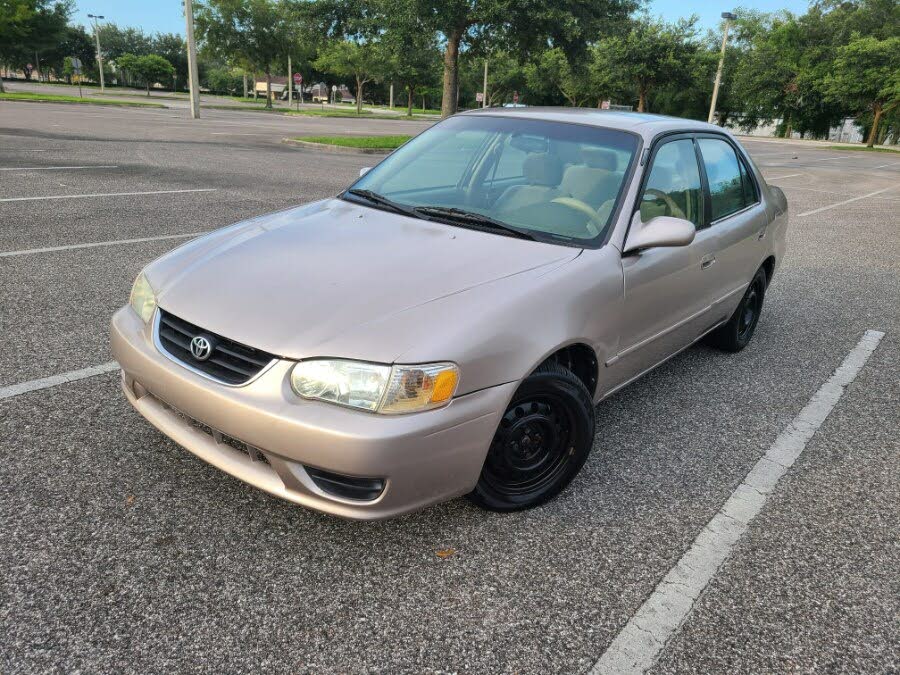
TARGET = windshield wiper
(477,219)
(381,200)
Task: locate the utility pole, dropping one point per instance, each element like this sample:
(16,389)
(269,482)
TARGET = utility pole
(484,88)
(290,82)
(391,102)
(728,16)
(97,17)
(193,77)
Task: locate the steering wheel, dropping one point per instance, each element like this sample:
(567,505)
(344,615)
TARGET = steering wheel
(674,209)
(594,224)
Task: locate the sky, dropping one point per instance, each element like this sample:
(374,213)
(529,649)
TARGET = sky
(166,16)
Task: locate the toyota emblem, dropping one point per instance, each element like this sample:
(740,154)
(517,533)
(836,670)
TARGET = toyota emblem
(201,348)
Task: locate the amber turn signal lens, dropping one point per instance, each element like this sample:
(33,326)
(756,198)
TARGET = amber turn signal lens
(444,386)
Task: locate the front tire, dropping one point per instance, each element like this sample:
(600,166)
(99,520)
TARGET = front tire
(543,440)
(737,333)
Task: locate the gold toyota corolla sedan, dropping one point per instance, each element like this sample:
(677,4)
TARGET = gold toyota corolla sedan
(446,325)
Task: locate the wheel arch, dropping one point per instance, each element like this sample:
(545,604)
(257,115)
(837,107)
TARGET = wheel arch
(768,266)
(581,359)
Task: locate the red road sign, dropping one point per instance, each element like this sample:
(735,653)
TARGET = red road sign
(298,78)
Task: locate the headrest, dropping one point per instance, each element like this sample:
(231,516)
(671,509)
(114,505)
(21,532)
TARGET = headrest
(542,169)
(598,158)
(567,151)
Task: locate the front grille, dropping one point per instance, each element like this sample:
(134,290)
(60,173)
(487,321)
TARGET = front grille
(229,362)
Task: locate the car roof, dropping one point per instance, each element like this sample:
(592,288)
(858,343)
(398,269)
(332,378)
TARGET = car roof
(645,124)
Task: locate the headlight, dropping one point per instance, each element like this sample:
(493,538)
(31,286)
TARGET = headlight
(389,390)
(143,299)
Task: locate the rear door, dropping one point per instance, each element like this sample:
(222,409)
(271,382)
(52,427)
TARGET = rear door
(737,216)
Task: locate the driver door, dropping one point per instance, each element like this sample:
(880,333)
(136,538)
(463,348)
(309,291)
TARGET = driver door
(666,288)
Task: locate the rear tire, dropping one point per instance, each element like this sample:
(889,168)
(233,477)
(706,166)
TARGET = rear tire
(542,442)
(737,333)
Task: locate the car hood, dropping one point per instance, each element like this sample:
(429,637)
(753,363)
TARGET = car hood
(296,283)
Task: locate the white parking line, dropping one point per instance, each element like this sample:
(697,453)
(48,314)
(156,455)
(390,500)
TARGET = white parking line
(883,166)
(103,194)
(638,645)
(790,175)
(94,244)
(846,201)
(56,168)
(54,380)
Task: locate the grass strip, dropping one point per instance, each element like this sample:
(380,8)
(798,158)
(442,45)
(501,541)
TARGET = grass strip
(56,98)
(367,142)
(861,148)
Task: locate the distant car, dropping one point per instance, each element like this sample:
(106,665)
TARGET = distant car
(446,325)
(514,105)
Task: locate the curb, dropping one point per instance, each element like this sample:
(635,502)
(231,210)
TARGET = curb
(324,147)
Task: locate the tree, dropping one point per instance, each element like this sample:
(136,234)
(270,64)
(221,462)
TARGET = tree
(410,53)
(30,27)
(173,49)
(74,42)
(347,58)
(651,53)
(148,69)
(505,76)
(553,70)
(866,77)
(252,32)
(521,25)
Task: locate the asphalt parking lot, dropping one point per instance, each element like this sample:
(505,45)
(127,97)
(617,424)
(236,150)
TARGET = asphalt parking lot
(121,552)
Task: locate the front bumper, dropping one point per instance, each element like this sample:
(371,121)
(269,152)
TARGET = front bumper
(423,458)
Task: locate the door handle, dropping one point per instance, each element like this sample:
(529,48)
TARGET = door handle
(762,233)
(707,261)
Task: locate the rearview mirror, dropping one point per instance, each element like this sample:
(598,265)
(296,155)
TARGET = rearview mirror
(363,171)
(659,231)
(529,143)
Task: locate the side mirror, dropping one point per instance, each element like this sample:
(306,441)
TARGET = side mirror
(363,171)
(660,231)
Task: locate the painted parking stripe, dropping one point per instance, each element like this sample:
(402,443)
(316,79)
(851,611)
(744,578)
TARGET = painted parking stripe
(56,380)
(57,168)
(638,645)
(104,194)
(94,244)
(846,201)
(790,175)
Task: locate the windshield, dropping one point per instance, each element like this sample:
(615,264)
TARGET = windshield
(554,180)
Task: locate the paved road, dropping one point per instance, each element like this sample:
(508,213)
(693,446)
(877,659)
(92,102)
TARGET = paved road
(122,552)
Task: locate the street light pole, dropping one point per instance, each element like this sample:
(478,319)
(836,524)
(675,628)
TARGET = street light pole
(193,77)
(728,16)
(95,17)
(484,88)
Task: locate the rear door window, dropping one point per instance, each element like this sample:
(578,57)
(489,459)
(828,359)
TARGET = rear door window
(723,172)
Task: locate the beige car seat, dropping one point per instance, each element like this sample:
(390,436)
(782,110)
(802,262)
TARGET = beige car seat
(543,173)
(596,180)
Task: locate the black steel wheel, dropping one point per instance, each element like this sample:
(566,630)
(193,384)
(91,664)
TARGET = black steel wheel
(736,334)
(541,443)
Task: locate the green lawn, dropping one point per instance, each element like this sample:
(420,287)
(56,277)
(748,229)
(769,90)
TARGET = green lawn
(862,147)
(316,111)
(368,142)
(57,98)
